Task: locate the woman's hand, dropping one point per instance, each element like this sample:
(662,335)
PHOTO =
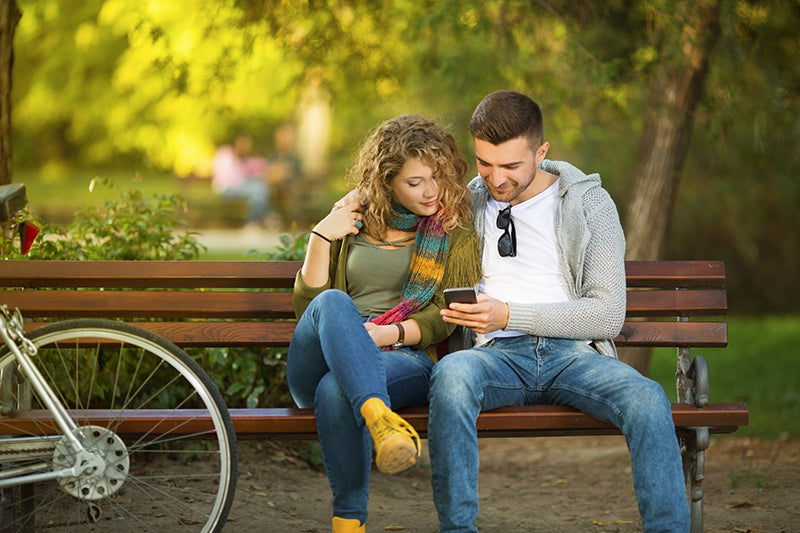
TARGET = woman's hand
(340,222)
(350,198)
(382,335)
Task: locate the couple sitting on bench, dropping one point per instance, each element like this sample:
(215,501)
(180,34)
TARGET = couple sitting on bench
(548,252)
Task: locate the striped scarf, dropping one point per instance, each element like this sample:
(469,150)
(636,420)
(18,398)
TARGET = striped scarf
(427,263)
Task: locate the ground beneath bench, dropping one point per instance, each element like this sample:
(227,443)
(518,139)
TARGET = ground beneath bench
(567,484)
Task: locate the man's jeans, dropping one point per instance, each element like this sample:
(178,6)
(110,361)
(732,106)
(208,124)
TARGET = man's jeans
(334,366)
(536,370)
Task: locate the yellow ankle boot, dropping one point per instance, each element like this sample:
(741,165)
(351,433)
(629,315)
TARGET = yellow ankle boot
(397,443)
(348,525)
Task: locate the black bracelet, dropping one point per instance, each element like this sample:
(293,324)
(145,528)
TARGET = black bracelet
(401,335)
(320,235)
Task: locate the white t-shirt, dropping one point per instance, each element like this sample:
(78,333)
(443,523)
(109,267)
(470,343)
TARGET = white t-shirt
(534,275)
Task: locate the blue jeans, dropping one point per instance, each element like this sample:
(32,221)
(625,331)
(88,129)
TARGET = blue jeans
(537,370)
(334,366)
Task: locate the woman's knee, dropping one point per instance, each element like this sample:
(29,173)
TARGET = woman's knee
(331,297)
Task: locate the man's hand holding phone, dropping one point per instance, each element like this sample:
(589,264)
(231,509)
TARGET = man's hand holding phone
(478,312)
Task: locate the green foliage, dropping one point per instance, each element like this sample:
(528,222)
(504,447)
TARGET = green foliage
(247,377)
(292,247)
(252,378)
(132,226)
(161,79)
(758,367)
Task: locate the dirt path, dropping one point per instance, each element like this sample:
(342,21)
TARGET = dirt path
(540,484)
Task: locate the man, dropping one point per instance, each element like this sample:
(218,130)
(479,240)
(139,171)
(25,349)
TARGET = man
(552,299)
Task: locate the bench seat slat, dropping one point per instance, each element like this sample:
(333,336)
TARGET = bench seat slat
(283,423)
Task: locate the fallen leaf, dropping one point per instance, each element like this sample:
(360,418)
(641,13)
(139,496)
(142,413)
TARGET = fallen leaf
(740,503)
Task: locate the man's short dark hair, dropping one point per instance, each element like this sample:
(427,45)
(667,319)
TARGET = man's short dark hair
(505,115)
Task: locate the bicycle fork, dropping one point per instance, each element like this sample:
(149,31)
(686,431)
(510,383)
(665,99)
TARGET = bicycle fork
(85,462)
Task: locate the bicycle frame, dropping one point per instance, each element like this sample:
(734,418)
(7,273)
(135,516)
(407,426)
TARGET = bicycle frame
(85,462)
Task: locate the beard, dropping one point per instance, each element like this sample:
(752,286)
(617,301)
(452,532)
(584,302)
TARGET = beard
(509,194)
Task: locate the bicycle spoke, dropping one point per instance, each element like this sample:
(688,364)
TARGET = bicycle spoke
(160,478)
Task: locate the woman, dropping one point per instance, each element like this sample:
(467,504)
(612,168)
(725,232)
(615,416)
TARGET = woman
(368,299)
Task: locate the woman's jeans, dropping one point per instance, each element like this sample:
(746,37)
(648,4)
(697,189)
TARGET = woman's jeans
(334,366)
(536,370)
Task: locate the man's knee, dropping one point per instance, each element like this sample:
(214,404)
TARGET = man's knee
(454,382)
(647,399)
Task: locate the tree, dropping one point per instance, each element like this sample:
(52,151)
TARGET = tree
(685,42)
(9,16)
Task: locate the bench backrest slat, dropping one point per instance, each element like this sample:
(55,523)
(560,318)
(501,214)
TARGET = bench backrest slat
(250,304)
(150,274)
(156,304)
(277,333)
(701,302)
(175,274)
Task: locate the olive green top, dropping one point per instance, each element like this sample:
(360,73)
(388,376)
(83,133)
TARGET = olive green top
(375,275)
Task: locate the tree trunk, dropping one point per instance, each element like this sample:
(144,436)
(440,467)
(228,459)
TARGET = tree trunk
(9,16)
(688,39)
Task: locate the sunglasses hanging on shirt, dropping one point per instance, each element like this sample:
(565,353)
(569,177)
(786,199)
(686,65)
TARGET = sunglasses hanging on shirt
(507,243)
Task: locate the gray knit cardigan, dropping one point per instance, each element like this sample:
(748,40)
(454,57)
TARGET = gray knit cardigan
(592,254)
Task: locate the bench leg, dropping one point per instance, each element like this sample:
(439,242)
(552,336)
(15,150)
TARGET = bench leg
(694,442)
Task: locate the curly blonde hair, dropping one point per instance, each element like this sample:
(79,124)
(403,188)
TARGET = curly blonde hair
(386,151)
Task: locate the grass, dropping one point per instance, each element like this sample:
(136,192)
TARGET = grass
(60,197)
(758,367)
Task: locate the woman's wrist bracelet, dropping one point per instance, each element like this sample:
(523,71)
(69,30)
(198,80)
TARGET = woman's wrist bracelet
(320,235)
(401,335)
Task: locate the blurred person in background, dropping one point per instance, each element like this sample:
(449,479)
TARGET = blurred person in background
(241,176)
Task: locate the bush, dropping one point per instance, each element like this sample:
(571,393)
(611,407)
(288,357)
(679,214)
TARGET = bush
(249,377)
(130,227)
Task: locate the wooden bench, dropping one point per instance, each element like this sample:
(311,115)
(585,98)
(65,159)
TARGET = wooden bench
(234,303)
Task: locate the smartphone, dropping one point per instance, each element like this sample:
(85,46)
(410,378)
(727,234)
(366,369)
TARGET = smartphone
(464,295)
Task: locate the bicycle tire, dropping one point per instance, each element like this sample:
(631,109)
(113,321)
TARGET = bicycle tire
(174,478)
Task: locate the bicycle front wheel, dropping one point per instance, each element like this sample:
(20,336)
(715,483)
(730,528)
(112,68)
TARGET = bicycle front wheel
(147,410)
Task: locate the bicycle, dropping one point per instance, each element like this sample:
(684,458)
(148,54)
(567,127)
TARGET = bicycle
(107,425)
